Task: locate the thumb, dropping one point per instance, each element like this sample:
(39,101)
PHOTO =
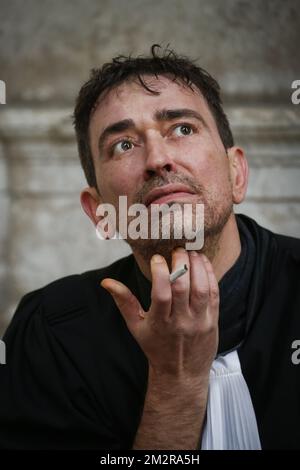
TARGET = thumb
(127,303)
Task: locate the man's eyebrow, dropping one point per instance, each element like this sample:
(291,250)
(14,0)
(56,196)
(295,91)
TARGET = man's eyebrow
(115,128)
(160,115)
(170,114)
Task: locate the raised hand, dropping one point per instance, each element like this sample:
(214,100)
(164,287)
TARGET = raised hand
(179,333)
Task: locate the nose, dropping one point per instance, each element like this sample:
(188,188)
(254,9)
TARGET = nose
(158,159)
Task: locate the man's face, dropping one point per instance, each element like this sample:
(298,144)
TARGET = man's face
(161,139)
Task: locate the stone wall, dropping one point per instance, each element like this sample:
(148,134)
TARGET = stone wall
(46,51)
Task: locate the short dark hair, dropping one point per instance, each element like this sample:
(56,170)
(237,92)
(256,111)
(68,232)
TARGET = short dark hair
(121,69)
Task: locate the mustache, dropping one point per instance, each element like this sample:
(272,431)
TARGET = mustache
(170,178)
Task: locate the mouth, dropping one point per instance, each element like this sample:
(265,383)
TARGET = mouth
(168,193)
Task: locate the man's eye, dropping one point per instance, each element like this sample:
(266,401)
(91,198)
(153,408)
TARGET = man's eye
(122,146)
(183,129)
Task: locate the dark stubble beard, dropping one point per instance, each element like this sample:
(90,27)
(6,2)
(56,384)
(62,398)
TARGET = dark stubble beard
(217,209)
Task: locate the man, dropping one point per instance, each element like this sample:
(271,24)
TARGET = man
(120,357)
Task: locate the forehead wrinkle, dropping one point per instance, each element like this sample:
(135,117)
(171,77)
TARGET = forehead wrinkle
(159,115)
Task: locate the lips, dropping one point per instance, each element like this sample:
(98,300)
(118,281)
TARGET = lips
(167,193)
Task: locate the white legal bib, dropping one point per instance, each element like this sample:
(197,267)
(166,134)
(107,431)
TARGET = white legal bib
(230,422)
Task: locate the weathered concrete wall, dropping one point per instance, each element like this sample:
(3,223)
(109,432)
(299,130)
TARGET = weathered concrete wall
(47,47)
(46,51)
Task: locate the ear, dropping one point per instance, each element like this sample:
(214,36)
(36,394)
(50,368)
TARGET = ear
(90,200)
(239,171)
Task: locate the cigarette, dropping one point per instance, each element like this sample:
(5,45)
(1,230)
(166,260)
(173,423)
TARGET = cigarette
(173,276)
(179,272)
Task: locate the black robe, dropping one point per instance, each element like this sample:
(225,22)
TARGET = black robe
(75,378)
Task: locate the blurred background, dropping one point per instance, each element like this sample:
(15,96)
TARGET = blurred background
(47,49)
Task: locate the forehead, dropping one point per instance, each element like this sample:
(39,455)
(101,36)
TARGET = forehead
(132,100)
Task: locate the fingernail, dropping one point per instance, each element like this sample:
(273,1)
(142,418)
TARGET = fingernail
(116,289)
(193,253)
(157,259)
(180,249)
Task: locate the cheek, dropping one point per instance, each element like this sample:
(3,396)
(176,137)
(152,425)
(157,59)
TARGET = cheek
(114,182)
(222,186)
(212,170)
(198,151)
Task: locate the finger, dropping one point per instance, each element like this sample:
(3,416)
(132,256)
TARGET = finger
(127,303)
(180,287)
(214,292)
(199,291)
(161,294)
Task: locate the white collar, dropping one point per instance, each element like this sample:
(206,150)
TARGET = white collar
(230,417)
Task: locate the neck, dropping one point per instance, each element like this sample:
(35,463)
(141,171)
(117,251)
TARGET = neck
(225,252)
